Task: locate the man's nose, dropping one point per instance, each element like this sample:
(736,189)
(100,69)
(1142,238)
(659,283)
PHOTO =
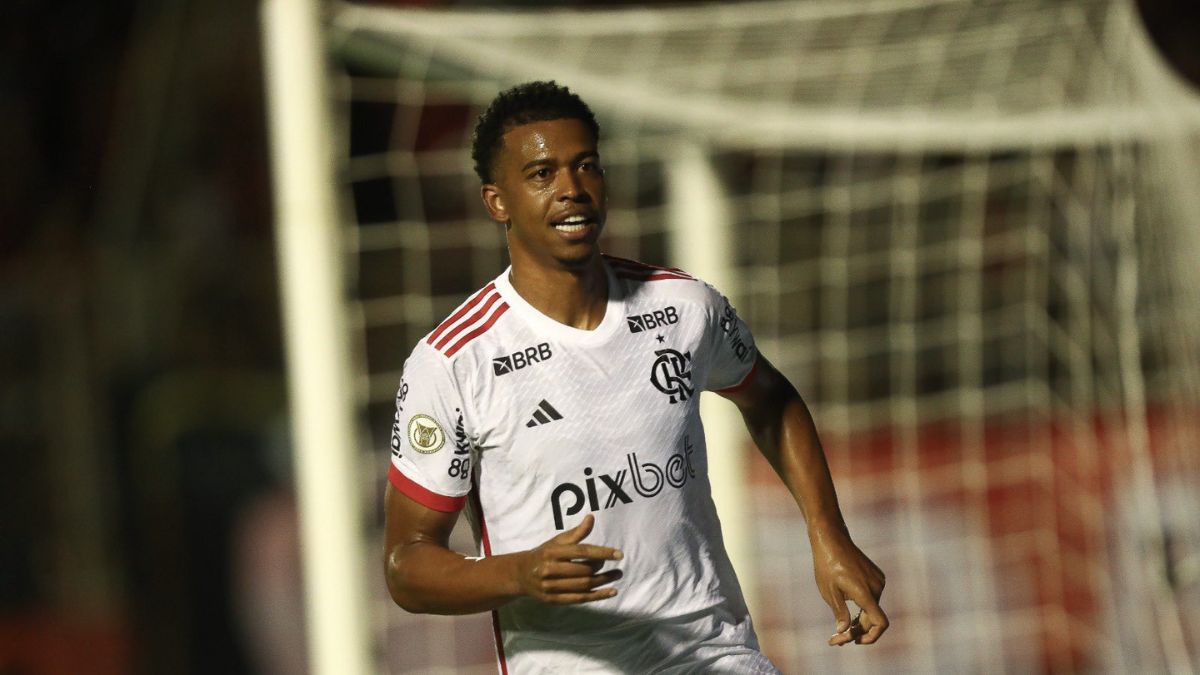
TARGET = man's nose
(570,187)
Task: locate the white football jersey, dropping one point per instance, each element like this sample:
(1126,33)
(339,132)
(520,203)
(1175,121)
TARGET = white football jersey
(538,423)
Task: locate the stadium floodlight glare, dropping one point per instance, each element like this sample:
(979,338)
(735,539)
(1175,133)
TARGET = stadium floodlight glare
(966,230)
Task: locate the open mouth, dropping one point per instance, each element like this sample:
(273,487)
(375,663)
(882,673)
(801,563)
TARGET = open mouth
(573,224)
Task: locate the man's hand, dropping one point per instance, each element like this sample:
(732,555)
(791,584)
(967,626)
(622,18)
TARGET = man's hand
(844,573)
(563,571)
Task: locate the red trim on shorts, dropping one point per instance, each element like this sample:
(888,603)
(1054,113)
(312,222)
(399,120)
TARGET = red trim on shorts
(483,328)
(422,496)
(466,307)
(745,380)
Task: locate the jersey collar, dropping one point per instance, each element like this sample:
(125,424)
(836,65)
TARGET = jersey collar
(544,325)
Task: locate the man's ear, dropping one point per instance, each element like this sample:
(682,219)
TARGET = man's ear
(493,200)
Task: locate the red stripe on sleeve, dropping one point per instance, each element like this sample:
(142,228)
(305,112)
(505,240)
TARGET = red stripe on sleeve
(478,331)
(471,321)
(461,312)
(422,496)
(745,380)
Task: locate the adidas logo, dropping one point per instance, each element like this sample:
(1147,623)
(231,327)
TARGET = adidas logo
(545,414)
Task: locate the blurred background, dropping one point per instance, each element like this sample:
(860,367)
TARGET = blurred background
(149,513)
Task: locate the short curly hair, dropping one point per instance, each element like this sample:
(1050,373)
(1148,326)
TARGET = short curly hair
(522,104)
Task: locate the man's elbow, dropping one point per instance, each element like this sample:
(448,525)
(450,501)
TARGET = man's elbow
(400,586)
(407,601)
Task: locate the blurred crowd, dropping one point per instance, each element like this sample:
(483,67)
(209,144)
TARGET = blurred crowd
(148,520)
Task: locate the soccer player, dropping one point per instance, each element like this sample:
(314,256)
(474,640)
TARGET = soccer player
(559,405)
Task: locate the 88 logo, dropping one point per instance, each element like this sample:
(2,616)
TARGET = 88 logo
(460,467)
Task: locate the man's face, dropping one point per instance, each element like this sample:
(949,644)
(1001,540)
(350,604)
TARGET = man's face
(549,188)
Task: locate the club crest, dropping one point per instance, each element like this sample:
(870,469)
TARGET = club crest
(671,374)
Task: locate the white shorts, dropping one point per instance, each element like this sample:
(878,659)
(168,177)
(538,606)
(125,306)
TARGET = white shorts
(712,641)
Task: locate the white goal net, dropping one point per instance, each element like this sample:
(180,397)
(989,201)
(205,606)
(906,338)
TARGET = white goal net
(967,231)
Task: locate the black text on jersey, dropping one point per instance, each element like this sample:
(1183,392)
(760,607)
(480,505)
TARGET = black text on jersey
(656,319)
(517,360)
(401,394)
(729,326)
(648,479)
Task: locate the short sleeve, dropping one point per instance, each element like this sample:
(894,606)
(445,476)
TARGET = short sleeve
(430,443)
(732,352)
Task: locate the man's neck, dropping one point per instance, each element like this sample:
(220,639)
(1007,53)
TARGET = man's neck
(575,297)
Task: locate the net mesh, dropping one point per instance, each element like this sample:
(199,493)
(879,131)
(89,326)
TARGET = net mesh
(965,230)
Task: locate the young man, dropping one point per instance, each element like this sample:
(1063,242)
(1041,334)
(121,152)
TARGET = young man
(561,402)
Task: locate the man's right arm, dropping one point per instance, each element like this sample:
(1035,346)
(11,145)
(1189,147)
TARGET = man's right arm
(424,576)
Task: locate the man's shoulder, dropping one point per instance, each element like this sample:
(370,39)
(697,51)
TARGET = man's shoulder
(655,282)
(463,327)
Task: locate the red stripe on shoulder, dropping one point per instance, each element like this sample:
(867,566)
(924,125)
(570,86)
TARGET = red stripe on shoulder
(479,330)
(635,266)
(655,276)
(466,307)
(469,322)
(422,496)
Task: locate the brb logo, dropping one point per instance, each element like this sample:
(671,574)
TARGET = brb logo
(656,319)
(518,360)
(648,480)
(672,374)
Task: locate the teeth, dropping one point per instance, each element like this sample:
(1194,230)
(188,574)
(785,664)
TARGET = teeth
(573,227)
(574,219)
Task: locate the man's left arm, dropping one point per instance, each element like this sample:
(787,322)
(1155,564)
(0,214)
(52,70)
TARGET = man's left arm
(782,427)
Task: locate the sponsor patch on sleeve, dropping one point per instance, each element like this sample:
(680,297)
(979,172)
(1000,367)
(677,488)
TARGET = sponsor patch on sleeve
(425,434)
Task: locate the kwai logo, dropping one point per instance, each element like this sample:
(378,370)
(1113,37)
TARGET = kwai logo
(462,444)
(647,480)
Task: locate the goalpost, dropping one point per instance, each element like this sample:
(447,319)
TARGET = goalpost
(965,230)
(324,435)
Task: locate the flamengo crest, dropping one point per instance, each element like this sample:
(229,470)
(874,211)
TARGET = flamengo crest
(672,374)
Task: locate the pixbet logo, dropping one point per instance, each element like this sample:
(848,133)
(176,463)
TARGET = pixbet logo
(671,374)
(648,479)
(656,319)
(518,360)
